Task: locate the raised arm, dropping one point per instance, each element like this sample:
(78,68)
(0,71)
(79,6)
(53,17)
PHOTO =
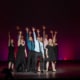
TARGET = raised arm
(55,33)
(46,52)
(51,33)
(34,34)
(42,49)
(30,33)
(54,38)
(44,32)
(27,34)
(19,41)
(19,37)
(25,52)
(20,33)
(9,39)
(38,32)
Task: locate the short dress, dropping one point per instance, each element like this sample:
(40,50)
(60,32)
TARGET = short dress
(11,57)
(51,53)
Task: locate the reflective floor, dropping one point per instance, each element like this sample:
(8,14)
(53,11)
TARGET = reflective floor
(64,70)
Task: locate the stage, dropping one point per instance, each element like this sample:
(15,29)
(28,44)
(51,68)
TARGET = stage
(65,69)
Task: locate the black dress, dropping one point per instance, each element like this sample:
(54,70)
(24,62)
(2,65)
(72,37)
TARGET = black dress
(11,54)
(51,53)
(56,51)
(20,58)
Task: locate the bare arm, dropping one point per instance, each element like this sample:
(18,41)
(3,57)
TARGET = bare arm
(46,52)
(27,34)
(19,38)
(42,49)
(43,35)
(55,44)
(54,38)
(38,32)
(19,41)
(30,33)
(25,52)
(44,32)
(34,34)
(51,33)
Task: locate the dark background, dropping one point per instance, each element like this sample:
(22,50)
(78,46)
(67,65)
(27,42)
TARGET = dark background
(60,15)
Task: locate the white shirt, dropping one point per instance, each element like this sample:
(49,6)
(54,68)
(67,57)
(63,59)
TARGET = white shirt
(37,46)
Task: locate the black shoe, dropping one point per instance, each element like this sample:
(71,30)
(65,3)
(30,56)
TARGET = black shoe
(35,71)
(28,70)
(41,71)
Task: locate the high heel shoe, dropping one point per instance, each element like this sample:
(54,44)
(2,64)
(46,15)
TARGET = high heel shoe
(54,70)
(46,70)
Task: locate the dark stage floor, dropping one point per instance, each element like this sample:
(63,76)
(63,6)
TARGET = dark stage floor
(64,70)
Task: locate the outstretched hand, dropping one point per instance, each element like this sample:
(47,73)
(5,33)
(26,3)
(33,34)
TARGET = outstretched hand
(51,32)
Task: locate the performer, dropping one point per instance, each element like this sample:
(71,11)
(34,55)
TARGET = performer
(39,50)
(11,58)
(30,45)
(41,47)
(20,58)
(18,31)
(45,42)
(50,54)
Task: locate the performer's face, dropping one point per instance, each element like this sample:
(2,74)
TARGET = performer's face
(12,41)
(22,41)
(50,40)
(20,32)
(38,38)
(30,38)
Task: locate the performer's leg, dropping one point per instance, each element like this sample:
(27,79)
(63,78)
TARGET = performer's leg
(39,67)
(35,59)
(12,66)
(17,65)
(53,66)
(41,63)
(28,63)
(9,65)
(45,60)
(47,65)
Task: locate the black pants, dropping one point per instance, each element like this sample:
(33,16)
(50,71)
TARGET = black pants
(30,63)
(20,65)
(38,54)
(45,59)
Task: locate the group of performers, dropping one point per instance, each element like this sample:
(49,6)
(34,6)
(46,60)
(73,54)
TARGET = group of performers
(41,50)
